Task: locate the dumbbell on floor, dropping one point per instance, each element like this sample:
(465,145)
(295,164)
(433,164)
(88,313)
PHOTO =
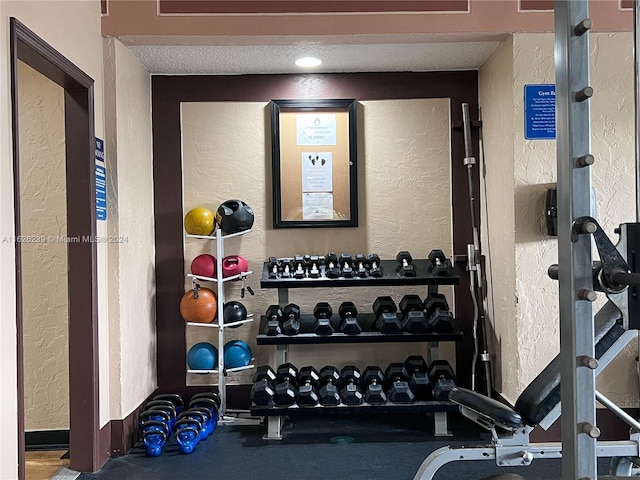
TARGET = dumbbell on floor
(323,311)
(413,318)
(329,391)
(438,315)
(419,382)
(373,377)
(351,393)
(442,379)
(405,268)
(349,319)
(398,390)
(387,320)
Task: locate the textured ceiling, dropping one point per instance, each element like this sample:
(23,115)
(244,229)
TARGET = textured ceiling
(346,57)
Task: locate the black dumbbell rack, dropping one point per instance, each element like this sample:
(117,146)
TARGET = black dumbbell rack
(390,277)
(369,333)
(364,408)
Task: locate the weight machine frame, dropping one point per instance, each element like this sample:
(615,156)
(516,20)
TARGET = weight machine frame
(578,366)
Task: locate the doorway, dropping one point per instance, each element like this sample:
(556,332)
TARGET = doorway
(80,203)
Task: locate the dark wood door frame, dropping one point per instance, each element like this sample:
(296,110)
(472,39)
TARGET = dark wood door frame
(27,47)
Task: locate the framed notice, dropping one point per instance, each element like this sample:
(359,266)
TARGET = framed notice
(314,174)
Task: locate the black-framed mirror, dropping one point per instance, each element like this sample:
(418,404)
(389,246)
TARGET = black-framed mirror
(314,163)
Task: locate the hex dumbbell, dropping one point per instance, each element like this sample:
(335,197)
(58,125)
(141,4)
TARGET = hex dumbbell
(405,268)
(329,392)
(438,315)
(349,319)
(387,320)
(419,382)
(375,270)
(286,267)
(331,268)
(273,266)
(439,264)
(323,311)
(351,393)
(274,316)
(413,318)
(308,381)
(398,390)
(374,379)
(262,390)
(314,266)
(442,378)
(361,266)
(291,320)
(346,265)
(299,267)
(285,389)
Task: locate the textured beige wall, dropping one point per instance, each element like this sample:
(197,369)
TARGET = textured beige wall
(132,335)
(404,203)
(496,100)
(44,263)
(534,329)
(72,28)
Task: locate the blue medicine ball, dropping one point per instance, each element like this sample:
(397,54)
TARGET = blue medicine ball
(202,356)
(237,354)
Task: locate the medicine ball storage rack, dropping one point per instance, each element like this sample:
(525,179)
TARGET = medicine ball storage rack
(389,278)
(219,323)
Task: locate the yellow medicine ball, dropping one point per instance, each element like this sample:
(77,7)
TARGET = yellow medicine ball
(199,221)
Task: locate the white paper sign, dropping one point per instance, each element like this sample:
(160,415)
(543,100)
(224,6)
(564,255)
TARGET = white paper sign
(317,172)
(317,206)
(316,128)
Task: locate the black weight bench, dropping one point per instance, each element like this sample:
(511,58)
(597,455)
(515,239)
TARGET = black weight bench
(538,404)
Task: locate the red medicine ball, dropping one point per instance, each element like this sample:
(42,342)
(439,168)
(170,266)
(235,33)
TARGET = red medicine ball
(234,265)
(204,266)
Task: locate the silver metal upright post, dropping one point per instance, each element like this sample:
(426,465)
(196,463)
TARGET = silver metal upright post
(579,431)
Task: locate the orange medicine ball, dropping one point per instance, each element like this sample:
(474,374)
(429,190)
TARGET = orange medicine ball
(202,309)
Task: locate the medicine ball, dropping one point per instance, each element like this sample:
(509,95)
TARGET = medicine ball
(237,354)
(204,266)
(234,265)
(234,312)
(234,216)
(199,221)
(202,356)
(200,309)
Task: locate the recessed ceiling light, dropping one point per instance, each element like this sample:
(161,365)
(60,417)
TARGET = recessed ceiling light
(308,62)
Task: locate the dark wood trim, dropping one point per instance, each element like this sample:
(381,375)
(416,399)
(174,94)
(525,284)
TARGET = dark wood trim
(46,439)
(15,122)
(167,94)
(626,4)
(84,438)
(536,5)
(212,7)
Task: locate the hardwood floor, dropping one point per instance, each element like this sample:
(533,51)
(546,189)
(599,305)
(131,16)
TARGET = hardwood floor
(43,465)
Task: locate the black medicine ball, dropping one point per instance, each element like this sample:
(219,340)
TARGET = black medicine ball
(234,312)
(234,216)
